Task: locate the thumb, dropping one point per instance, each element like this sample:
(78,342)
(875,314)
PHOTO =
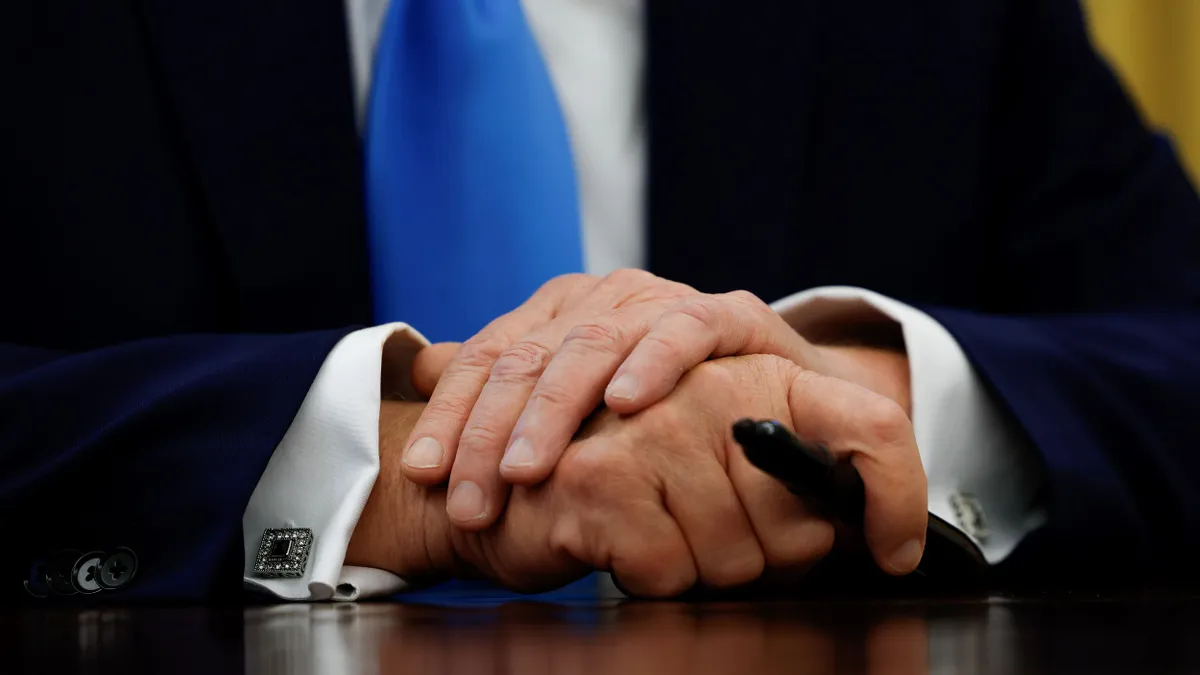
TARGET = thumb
(428,365)
(877,436)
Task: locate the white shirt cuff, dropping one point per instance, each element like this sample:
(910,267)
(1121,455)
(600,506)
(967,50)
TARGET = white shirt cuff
(322,472)
(983,475)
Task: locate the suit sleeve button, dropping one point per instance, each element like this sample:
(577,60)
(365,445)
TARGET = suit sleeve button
(85,575)
(117,570)
(58,572)
(36,583)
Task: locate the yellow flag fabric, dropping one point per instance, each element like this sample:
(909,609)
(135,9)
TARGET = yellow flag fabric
(1155,46)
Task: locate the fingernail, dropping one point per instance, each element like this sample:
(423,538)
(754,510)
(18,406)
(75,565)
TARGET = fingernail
(624,387)
(466,502)
(519,455)
(426,453)
(906,558)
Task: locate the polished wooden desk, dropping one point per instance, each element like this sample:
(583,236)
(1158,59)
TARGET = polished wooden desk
(1149,635)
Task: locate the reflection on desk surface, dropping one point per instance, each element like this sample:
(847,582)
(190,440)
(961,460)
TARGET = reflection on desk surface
(1061,635)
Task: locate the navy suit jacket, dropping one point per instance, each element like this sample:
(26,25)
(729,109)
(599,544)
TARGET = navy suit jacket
(183,242)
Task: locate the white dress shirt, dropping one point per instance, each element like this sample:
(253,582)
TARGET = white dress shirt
(324,468)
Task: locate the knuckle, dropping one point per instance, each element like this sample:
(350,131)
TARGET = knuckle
(801,546)
(714,376)
(520,362)
(446,408)
(661,567)
(551,394)
(635,287)
(803,376)
(782,368)
(665,349)
(755,319)
(566,282)
(667,419)
(478,353)
(594,336)
(886,421)
(659,291)
(567,537)
(667,585)
(629,277)
(748,299)
(479,440)
(737,572)
(679,433)
(656,582)
(803,385)
(702,308)
(593,470)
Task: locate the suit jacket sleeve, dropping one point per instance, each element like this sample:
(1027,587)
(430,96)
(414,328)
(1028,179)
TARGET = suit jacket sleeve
(1093,341)
(154,445)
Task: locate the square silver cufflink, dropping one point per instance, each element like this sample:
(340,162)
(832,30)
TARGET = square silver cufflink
(970,518)
(283,553)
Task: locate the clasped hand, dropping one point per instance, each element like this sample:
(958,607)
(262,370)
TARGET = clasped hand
(652,488)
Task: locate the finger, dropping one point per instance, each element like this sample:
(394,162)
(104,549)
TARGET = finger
(700,497)
(429,453)
(628,287)
(636,540)
(696,329)
(650,556)
(610,516)
(570,389)
(792,538)
(878,438)
(429,364)
(430,450)
(477,493)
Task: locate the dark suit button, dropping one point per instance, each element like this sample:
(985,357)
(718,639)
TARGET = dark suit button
(118,569)
(36,583)
(85,575)
(59,572)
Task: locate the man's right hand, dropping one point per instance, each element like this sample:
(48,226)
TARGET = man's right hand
(403,527)
(402,523)
(665,499)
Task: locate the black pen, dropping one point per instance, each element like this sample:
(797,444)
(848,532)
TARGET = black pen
(830,488)
(834,490)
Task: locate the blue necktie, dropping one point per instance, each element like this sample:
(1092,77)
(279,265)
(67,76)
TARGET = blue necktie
(471,192)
